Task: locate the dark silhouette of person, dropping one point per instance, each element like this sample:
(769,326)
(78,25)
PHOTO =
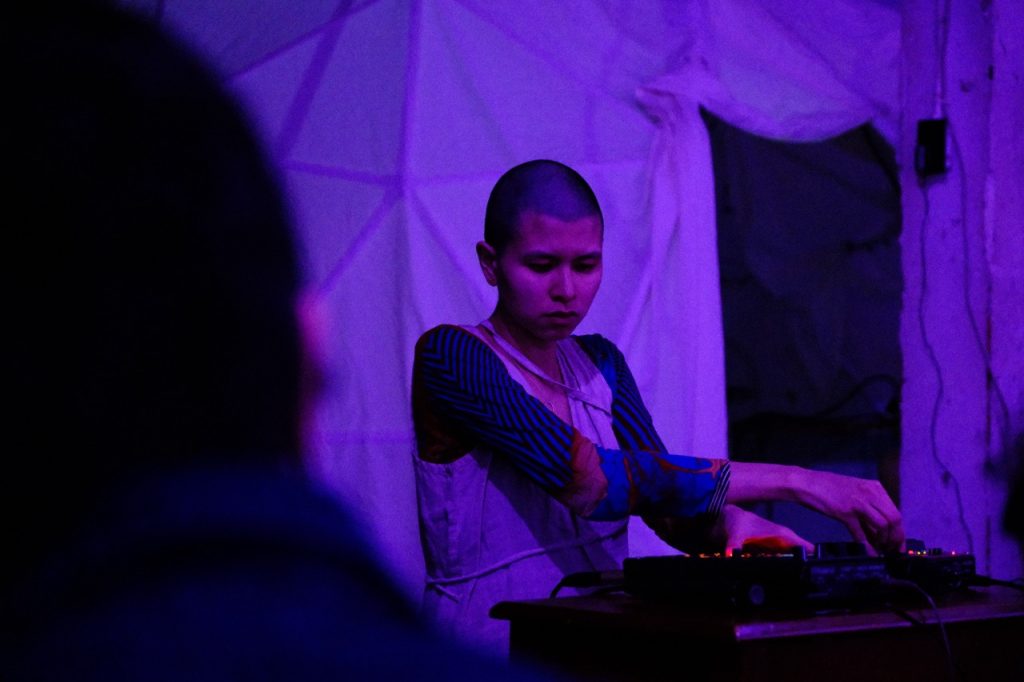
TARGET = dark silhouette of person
(156,523)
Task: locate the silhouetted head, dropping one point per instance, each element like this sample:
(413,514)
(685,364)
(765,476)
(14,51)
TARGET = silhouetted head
(542,187)
(149,305)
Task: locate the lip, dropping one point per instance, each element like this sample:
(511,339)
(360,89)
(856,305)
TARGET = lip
(562,315)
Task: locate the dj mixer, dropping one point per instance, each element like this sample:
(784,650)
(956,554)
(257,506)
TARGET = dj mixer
(834,574)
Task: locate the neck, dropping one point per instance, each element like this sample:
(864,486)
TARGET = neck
(540,352)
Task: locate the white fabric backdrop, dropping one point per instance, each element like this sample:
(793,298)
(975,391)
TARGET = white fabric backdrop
(391,120)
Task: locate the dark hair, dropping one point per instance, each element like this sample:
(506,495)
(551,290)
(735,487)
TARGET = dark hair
(152,295)
(541,186)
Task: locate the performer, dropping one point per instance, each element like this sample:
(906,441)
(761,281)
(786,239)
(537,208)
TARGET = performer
(534,445)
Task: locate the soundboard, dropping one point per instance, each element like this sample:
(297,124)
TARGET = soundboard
(835,574)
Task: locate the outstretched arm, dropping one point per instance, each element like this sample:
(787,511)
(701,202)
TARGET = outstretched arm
(464,398)
(862,505)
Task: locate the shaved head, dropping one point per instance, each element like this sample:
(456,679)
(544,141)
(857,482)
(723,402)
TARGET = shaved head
(543,187)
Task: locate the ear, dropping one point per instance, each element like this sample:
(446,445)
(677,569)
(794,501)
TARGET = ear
(312,320)
(488,258)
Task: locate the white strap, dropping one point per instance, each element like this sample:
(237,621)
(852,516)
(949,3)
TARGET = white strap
(529,366)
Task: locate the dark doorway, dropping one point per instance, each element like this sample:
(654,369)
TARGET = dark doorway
(808,246)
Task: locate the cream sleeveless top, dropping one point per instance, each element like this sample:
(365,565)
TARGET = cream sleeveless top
(491,534)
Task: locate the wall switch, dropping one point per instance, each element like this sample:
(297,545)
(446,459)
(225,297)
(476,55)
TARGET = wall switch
(930,157)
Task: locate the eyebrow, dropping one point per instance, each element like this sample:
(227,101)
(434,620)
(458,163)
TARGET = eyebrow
(549,255)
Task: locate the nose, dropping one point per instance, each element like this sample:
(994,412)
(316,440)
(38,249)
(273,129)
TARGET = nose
(563,287)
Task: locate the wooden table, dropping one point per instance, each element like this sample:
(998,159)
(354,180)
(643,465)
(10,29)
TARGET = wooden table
(619,637)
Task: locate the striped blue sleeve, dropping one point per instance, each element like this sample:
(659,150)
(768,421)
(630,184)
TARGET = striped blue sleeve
(691,485)
(461,386)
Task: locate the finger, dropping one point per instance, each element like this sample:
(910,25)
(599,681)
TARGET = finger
(878,540)
(873,523)
(800,542)
(882,503)
(890,539)
(878,535)
(892,535)
(853,525)
(895,538)
(771,543)
(861,533)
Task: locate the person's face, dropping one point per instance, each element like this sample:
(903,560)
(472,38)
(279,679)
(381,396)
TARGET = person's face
(547,275)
